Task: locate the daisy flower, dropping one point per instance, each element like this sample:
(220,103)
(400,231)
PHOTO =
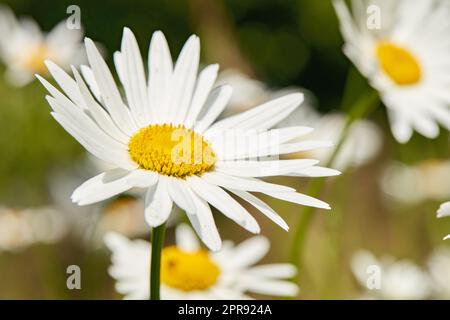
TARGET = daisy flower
(161,135)
(438,266)
(21,228)
(405,59)
(414,184)
(363,142)
(398,280)
(24,47)
(189,272)
(444,211)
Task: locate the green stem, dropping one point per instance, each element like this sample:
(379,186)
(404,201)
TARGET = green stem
(155,263)
(358,110)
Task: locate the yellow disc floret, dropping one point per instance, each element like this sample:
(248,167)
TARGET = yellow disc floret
(33,59)
(188,271)
(171,150)
(398,63)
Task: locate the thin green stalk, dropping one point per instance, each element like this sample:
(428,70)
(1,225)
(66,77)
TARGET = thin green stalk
(359,109)
(158,234)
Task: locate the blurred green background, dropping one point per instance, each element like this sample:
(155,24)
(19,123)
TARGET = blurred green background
(282,43)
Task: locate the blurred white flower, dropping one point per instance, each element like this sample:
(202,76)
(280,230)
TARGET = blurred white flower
(363,143)
(247,92)
(399,280)
(406,59)
(364,140)
(124,216)
(24,47)
(145,136)
(20,229)
(439,269)
(444,211)
(189,272)
(412,184)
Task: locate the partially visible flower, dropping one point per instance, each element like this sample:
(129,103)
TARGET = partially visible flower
(363,143)
(20,229)
(189,272)
(439,269)
(405,58)
(412,184)
(247,92)
(444,211)
(24,47)
(124,216)
(398,280)
(161,135)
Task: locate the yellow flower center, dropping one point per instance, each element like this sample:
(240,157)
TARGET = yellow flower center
(398,63)
(171,150)
(34,59)
(188,271)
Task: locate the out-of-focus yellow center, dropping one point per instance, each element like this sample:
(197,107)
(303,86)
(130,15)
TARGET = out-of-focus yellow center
(188,271)
(171,150)
(35,57)
(398,63)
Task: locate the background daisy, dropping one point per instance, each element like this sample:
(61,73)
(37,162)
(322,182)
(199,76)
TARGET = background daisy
(405,58)
(398,280)
(24,47)
(189,272)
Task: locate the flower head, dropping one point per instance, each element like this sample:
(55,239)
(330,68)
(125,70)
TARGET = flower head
(190,272)
(24,47)
(397,279)
(405,58)
(161,136)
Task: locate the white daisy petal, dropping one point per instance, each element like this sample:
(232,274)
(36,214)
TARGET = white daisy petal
(102,118)
(69,113)
(261,206)
(158,204)
(178,191)
(267,168)
(444,210)
(134,78)
(249,252)
(88,76)
(315,171)
(203,222)
(160,73)
(261,117)
(143,178)
(224,203)
(91,143)
(270,287)
(299,198)
(110,94)
(183,79)
(119,65)
(246,184)
(186,239)
(215,104)
(274,271)
(103,186)
(205,83)
(67,84)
